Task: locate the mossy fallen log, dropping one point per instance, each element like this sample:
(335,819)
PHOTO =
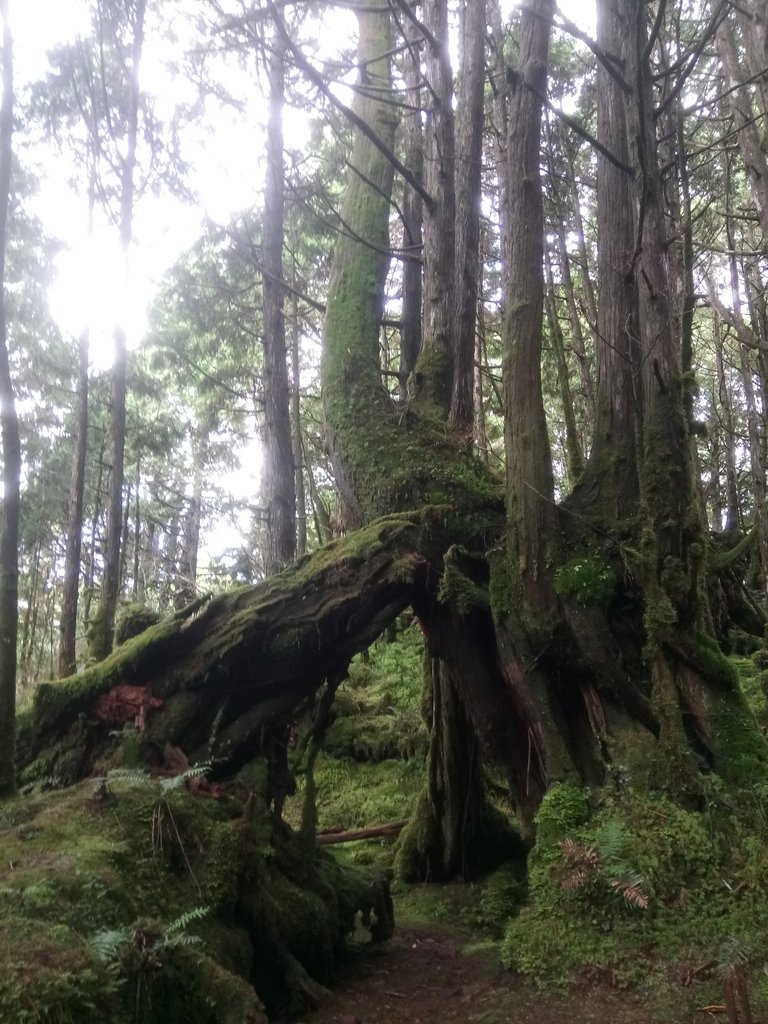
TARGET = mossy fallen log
(330,837)
(220,673)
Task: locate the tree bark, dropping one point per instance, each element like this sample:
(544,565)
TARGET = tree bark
(413,218)
(102,631)
(530,485)
(278,481)
(71,584)
(9,430)
(469,160)
(435,365)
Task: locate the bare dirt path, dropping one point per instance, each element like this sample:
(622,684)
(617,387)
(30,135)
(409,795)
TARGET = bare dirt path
(424,975)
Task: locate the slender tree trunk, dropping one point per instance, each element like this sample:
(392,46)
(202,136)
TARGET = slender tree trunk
(278,480)
(30,615)
(186,588)
(296,436)
(480,434)
(102,632)
(435,366)
(574,456)
(90,581)
(71,584)
(138,581)
(9,429)
(585,269)
(124,528)
(732,503)
(469,159)
(578,343)
(410,335)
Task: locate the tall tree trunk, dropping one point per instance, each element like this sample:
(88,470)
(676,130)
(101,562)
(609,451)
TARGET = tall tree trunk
(530,485)
(9,429)
(732,503)
(186,587)
(574,456)
(750,143)
(612,467)
(278,481)
(410,333)
(71,583)
(435,366)
(102,630)
(469,160)
(138,579)
(296,435)
(90,581)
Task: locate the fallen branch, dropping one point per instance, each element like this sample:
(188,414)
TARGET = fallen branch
(326,837)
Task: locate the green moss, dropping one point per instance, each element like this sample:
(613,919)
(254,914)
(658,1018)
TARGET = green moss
(86,869)
(133,619)
(564,808)
(457,589)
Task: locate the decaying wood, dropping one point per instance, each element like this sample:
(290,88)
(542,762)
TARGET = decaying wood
(328,837)
(224,670)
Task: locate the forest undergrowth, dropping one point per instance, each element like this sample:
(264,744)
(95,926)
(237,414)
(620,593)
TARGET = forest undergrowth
(117,891)
(624,895)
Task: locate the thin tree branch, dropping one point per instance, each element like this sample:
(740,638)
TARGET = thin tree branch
(318,81)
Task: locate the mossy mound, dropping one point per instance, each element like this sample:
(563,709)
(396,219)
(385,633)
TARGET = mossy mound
(635,887)
(128,899)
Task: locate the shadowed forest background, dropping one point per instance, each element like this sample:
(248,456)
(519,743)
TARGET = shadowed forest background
(446,455)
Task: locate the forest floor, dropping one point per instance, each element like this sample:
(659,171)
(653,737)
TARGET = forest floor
(436,972)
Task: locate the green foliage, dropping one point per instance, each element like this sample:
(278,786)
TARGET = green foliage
(589,579)
(100,915)
(376,713)
(353,795)
(501,897)
(116,944)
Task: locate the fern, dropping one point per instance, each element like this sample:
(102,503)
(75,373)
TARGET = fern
(632,891)
(132,776)
(181,922)
(177,781)
(601,865)
(612,842)
(105,946)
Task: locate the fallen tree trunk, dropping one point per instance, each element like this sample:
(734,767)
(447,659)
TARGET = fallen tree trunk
(216,677)
(329,837)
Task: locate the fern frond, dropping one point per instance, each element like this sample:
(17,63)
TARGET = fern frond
(632,892)
(575,879)
(580,853)
(105,945)
(181,922)
(176,781)
(173,941)
(133,776)
(612,841)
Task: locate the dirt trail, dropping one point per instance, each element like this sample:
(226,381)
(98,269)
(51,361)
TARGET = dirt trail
(425,976)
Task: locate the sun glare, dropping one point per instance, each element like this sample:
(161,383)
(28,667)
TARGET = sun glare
(90,291)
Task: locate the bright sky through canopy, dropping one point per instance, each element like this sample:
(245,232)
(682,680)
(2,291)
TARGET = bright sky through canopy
(225,170)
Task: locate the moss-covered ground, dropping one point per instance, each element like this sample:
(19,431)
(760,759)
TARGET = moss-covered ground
(135,899)
(128,898)
(626,892)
